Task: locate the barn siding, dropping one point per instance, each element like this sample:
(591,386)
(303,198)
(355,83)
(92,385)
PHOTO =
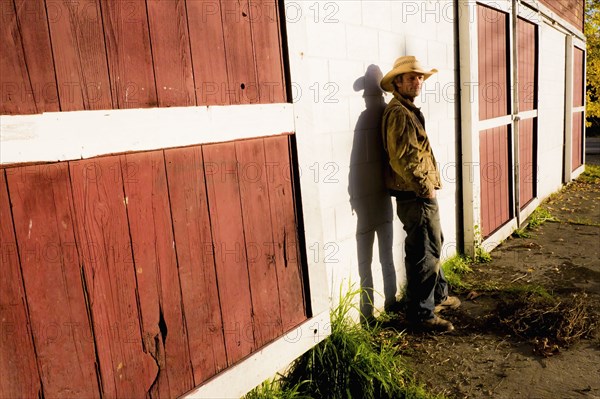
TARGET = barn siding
(105,54)
(570,10)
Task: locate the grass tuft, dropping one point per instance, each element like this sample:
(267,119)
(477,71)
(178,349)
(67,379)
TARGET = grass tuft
(456,267)
(353,362)
(521,233)
(591,174)
(539,217)
(482,256)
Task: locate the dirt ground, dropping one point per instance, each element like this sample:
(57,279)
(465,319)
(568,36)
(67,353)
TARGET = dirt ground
(479,360)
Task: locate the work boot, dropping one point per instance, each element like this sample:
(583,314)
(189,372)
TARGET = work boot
(451,302)
(436,323)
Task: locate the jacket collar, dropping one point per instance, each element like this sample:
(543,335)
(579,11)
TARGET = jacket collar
(406,102)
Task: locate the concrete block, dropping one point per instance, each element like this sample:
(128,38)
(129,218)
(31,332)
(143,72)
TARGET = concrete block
(331,114)
(347,12)
(326,40)
(417,46)
(436,55)
(362,43)
(391,46)
(344,74)
(377,14)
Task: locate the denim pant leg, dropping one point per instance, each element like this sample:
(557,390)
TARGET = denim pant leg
(423,244)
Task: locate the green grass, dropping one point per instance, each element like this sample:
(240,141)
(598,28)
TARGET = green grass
(353,362)
(456,267)
(591,174)
(537,290)
(521,233)
(482,256)
(539,217)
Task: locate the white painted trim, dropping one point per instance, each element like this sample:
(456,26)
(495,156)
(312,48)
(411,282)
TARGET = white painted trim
(568,128)
(500,5)
(467,25)
(577,42)
(513,50)
(579,109)
(554,19)
(578,171)
(528,210)
(238,379)
(495,122)
(529,13)
(523,115)
(61,136)
(305,111)
(500,235)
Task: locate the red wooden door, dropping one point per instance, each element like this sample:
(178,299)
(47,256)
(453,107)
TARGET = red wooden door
(495,169)
(527,82)
(578,110)
(146,274)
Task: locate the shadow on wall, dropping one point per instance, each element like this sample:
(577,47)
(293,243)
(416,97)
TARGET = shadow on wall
(368,195)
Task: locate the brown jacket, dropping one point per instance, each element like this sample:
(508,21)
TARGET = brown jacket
(410,164)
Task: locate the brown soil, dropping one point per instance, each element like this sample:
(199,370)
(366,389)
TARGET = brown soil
(481,358)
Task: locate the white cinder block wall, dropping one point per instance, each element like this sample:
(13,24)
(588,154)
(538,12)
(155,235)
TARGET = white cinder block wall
(338,51)
(551,111)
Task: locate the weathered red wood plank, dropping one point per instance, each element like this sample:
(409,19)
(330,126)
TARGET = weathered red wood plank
(171,53)
(484,182)
(264,18)
(571,10)
(241,67)
(527,167)
(526,57)
(484,56)
(33,24)
(42,210)
(126,368)
(19,375)
(129,54)
(285,231)
(17,94)
(194,245)
(230,253)
(578,80)
(258,235)
(493,94)
(495,178)
(79,54)
(159,291)
(208,52)
(577,146)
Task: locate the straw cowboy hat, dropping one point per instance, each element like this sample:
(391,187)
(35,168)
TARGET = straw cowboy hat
(407,63)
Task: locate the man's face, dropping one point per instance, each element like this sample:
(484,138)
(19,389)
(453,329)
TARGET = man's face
(409,84)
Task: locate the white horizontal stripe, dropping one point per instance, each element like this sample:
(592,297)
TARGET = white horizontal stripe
(528,114)
(61,136)
(238,379)
(494,122)
(581,108)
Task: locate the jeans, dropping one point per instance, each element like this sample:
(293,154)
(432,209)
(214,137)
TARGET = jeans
(426,284)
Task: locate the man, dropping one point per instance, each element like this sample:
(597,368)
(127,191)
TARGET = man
(412,176)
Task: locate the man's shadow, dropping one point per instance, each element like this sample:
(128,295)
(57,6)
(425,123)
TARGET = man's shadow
(368,196)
